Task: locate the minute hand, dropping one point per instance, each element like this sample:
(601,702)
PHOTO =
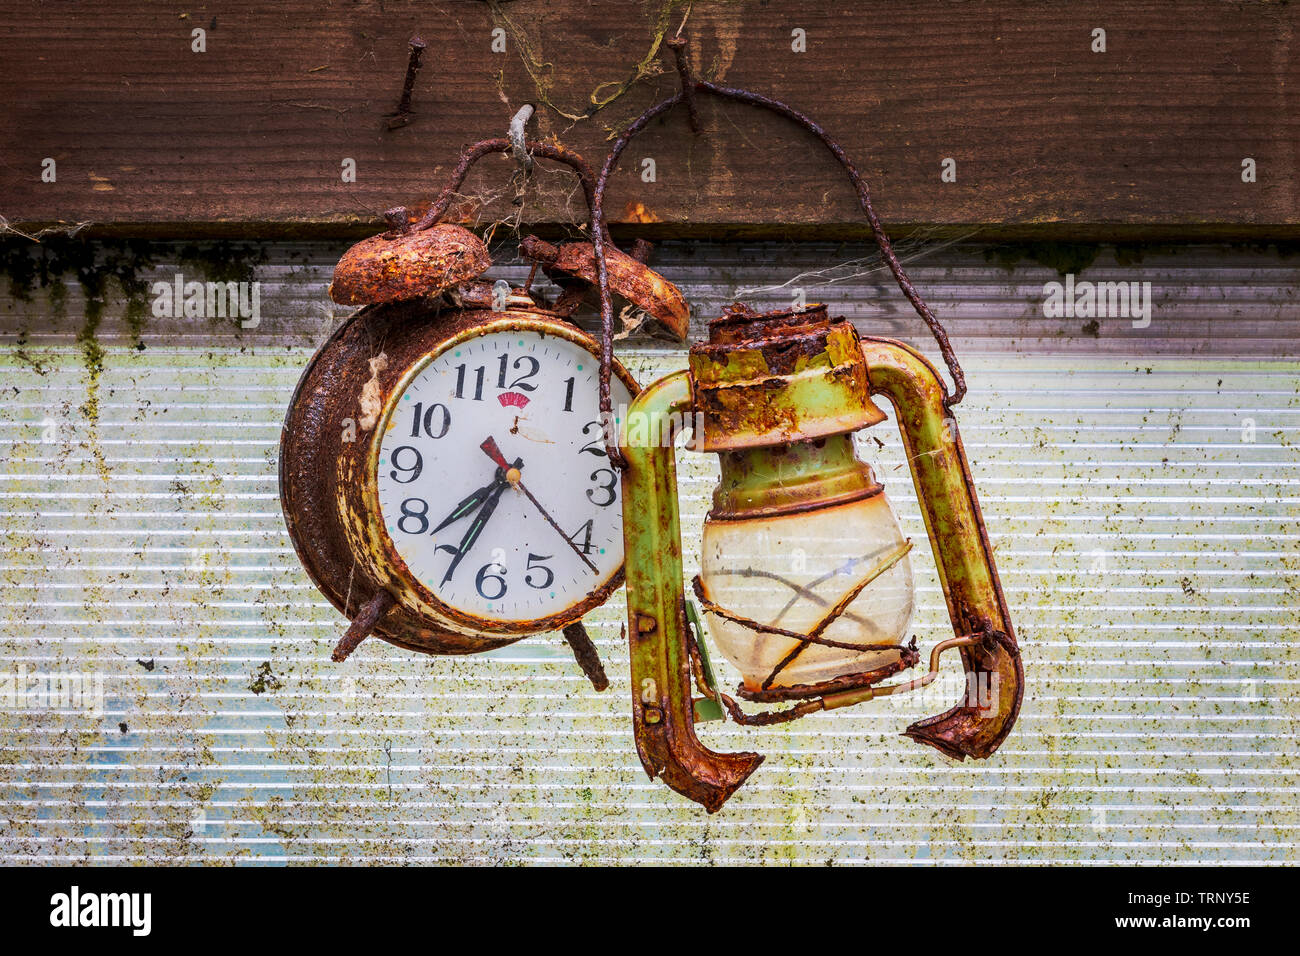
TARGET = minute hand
(492,451)
(469,504)
(551,521)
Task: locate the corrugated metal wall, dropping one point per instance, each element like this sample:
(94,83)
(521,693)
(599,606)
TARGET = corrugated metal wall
(1140,487)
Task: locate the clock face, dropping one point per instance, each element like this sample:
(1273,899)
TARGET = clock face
(493,480)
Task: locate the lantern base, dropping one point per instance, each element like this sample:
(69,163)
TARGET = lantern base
(907,658)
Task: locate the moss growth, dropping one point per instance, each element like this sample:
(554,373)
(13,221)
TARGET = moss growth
(1129,254)
(264,679)
(93,356)
(1064,257)
(223,261)
(20,352)
(95,265)
(542,71)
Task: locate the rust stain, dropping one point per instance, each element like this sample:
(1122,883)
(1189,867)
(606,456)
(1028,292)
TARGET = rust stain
(636,211)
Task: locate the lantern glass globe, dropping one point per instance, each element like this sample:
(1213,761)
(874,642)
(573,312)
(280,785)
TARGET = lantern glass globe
(790,570)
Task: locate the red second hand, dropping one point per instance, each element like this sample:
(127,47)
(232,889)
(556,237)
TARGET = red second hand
(493,452)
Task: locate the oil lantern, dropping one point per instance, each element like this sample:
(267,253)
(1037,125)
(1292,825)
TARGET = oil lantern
(805,574)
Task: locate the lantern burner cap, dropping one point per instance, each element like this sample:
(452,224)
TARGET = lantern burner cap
(776,377)
(741,325)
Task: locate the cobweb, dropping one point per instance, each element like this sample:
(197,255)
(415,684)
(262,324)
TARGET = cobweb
(917,246)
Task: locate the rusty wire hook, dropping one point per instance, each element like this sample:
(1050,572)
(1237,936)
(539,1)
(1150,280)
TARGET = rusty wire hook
(476,151)
(690,85)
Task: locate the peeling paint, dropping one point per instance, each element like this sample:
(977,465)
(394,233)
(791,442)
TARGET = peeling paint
(372,398)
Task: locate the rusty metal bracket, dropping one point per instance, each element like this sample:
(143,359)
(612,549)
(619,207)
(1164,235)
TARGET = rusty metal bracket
(584,652)
(363,625)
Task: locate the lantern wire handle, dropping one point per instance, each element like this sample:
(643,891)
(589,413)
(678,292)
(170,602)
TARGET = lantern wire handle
(690,85)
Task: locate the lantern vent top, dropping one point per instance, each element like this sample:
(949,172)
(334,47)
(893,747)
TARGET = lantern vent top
(778,377)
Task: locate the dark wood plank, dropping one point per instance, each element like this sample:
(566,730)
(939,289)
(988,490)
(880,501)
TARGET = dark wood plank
(1050,138)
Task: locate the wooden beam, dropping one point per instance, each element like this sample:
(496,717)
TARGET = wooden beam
(1049,138)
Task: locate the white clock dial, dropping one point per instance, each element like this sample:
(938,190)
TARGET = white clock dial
(476,535)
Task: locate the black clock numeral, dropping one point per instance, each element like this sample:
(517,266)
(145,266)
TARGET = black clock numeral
(478,382)
(585,531)
(597,445)
(436,414)
(484,576)
(535,564)
(412,470)
(409,512)
(568,393)
(522,380)
(609,487)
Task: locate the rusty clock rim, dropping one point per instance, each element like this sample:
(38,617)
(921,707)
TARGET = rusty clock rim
(514,320)
(283,477)
(340,598)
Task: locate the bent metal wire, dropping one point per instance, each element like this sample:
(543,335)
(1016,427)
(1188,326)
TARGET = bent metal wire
(690,85)
(471,155)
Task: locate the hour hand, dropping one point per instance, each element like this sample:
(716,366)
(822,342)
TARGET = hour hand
(467,506)
(474,530)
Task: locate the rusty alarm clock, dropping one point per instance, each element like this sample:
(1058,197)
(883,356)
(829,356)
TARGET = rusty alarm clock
(443,466)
